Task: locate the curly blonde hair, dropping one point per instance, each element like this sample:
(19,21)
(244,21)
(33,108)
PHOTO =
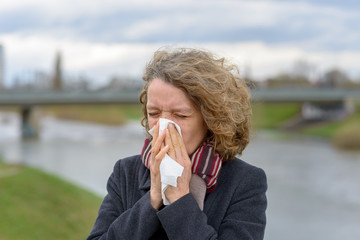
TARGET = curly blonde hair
(214,87)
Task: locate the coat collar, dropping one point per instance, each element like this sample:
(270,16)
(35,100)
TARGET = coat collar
(144,178)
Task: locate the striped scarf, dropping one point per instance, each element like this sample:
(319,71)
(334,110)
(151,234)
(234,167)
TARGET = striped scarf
(205,162)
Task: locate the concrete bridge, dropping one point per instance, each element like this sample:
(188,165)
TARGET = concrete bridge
(317,103)
(33,98)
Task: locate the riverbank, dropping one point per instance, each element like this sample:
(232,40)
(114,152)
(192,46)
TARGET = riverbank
(109,114)
(37,205)
(344,133)
(112,114)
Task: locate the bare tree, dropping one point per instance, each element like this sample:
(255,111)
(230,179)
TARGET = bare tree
(1,67)
(335,78)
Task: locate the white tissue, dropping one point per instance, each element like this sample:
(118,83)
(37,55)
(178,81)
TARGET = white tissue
(170,170)
(163,123)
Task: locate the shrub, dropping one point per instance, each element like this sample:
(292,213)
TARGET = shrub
(347,137)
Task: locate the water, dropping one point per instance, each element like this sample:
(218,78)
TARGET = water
(80,152)
(313,191)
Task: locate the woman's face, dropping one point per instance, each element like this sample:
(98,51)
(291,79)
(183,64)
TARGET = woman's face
(167,101)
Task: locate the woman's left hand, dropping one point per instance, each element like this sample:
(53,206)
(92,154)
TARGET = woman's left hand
(177,151)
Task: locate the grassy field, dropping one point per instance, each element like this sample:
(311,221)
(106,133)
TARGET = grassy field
(343,134)
(36,205)
(273,115)
(112,114)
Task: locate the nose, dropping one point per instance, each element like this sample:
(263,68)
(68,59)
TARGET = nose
(166,115)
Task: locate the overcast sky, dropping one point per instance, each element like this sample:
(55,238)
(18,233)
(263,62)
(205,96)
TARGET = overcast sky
(103,38)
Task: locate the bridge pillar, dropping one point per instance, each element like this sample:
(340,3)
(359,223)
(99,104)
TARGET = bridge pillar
(349,104)
(29,122)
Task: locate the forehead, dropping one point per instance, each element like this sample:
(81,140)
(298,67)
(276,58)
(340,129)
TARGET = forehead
(166,96)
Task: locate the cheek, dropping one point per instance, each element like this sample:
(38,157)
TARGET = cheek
(192,136)
(152,121)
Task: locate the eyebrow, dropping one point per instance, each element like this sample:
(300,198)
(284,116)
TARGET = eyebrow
(175,109)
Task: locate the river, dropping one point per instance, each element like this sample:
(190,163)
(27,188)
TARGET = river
(314,190)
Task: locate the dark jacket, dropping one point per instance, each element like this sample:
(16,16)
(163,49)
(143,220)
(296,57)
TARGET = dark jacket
(234,210)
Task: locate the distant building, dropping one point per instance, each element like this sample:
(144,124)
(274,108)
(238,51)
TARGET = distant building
(1,67)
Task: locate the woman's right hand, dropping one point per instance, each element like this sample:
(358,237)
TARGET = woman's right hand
(158,151)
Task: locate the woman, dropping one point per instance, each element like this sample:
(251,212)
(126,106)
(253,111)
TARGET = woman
(217,196)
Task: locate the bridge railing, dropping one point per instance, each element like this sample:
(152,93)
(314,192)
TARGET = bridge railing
(68,97)
(132,96)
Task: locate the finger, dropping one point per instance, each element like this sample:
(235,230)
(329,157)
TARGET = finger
(158,143)
(156,131)
(169,142)
(180,143)
(182,147)
(182,152)
(176,140)
(160,156)
(157,158)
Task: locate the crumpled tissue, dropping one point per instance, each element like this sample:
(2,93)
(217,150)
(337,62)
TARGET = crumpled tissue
(170,170)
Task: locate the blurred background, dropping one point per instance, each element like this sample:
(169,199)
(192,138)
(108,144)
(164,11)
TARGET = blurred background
(70,76)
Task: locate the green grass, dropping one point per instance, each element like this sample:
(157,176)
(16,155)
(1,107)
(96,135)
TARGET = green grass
(36,205)
(343,134)
(272,115)
(112,114)
(326,130)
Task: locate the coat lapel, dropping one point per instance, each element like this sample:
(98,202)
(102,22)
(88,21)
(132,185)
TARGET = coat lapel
(144,179)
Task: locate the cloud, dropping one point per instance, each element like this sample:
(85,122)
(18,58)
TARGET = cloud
(103,38)
(277,22)
(100,61)
(96,60)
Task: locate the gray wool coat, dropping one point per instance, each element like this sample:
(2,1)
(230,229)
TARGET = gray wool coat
(234,210)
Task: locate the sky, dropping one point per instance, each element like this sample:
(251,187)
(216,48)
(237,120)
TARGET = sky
(104,38)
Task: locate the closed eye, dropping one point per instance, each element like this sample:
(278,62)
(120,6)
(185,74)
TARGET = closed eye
(153,114)
(181,116)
